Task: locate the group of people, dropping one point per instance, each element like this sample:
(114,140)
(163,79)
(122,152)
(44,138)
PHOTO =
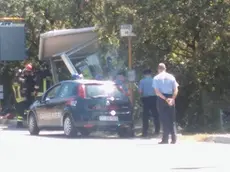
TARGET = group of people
(158,97)
(28,84)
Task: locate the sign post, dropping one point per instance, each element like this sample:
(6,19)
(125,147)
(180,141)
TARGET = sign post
(1,92)
(1,95)
(126,30)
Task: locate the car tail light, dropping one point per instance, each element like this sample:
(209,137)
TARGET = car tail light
(81,91)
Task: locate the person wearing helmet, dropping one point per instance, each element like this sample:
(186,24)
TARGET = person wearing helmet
(29,67)
(19,96)
(77,76)
(43,79)
(28,84)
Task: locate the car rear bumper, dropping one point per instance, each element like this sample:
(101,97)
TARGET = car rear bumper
(102,125)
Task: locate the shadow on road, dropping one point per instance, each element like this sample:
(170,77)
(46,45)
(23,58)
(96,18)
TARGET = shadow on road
(60,135)
(14,129)
(93,136)
(102,136)
(191,168)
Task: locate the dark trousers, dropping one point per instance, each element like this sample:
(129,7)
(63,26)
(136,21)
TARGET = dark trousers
(20,108)
(29,100)
(167,117)
(149,107)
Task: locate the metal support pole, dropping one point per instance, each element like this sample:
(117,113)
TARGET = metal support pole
(221,120)
(69,64)
(130,52)
(130,67)
(54,71)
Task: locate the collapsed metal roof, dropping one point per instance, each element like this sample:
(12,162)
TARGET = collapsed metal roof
(74,42)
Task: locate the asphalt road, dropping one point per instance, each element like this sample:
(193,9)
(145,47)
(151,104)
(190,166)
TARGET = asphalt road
(53,152)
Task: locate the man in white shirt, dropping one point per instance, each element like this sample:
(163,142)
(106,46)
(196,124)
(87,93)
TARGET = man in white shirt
(166,88)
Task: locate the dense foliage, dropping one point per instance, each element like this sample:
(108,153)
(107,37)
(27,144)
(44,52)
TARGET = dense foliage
(192,37)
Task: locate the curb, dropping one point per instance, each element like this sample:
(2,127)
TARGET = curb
(220,139)
(8,121)
(8,124)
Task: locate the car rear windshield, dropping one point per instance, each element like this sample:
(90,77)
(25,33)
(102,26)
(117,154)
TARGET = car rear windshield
(103,90)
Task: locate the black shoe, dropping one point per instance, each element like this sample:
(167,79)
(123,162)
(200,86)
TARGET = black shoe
(173,142)
(156,134)
(144,135)
(19,125)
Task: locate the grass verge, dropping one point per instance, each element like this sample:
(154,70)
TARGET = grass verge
(196,137)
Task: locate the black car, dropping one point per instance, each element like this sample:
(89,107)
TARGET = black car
(82,106)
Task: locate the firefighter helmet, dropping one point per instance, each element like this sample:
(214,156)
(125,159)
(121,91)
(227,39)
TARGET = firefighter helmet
(29,67)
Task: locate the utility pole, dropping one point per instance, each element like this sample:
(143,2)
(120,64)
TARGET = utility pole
(130,67)
(126,31)
(130,52)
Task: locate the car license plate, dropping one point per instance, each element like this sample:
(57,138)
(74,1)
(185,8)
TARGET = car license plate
(108,118)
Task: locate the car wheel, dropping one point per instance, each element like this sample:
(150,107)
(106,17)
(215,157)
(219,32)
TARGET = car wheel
(85,133)
(126,132)
(32,125)
(69,129)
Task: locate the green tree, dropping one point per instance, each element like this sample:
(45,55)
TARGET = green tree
(190,36)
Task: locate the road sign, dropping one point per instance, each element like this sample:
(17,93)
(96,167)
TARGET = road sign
(1,92)
(1,96)
(12,39)
(126,30)
(11,24)
(131,75)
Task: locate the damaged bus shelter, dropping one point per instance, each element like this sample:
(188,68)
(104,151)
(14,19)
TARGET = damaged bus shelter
(70,51)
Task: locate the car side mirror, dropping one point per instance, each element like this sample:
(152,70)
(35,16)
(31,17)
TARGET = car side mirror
(47,99)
